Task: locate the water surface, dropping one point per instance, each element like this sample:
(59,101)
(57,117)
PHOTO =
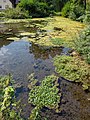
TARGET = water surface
(23,58)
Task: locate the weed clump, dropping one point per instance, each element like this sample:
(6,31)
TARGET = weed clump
(7,100)
(73,69)
(45,95)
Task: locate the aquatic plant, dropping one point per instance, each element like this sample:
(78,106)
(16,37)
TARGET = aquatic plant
(45,95)
(8,102)
(58,41)
(73,69)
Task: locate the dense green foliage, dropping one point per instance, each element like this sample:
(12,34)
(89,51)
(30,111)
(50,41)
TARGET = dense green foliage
(16,13)
(73,69)
(45,95)
(73,9)
(66,9)
(87,15)
(82,44)
(35,8)
(7,100)
(42,8)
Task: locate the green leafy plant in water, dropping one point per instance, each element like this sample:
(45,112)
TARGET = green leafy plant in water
(62,42)
(45,95)
(7,99)
(57,41)
(73,69)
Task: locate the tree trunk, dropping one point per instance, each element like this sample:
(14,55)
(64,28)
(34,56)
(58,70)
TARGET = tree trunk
(85,4)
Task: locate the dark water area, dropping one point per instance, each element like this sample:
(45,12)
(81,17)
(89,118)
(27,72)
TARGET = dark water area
(22,58)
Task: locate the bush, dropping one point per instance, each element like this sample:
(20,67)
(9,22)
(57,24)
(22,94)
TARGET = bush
(82,44)
(66,9)
(72,15)
(16,13)
(77,9)
(57,13)
(42,10)
(35,8)
(2,14)
(87,15)
(73,10)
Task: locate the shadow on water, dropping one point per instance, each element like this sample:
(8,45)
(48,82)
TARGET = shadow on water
(74,103)
(4,43)
(23,58)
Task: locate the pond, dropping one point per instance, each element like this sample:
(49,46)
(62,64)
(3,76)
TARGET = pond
(22,58)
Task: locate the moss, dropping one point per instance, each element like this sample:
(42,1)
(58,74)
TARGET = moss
(73,69)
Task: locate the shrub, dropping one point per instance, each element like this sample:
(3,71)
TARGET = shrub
(42,10)
(77,9)
(72,15)
(82,44)
(87,15)
(57,13)
(16,13)
(73,10)
(35,8)
(2,14)
(66,9)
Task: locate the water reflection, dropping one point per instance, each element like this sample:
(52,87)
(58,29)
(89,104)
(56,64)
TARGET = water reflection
(18,59)
(46,53)
(23,58)
(4,43)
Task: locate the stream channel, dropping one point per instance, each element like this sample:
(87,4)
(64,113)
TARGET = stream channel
(22,58)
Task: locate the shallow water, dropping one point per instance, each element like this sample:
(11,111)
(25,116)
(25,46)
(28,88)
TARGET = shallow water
(22,58)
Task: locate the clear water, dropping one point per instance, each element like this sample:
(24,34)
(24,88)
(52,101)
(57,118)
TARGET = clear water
(23,58)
